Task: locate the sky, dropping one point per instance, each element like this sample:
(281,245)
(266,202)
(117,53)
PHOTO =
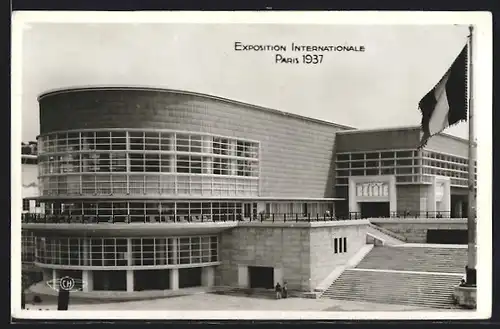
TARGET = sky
(377,88)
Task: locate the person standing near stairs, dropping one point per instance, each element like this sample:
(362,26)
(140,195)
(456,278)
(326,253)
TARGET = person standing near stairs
(278,290)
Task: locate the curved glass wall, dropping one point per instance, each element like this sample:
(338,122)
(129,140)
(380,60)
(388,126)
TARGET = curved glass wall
(146,211)
(118,252)
(146,162)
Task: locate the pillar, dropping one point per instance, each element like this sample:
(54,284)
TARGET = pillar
(54,277)
(88,282)
(174,279)
(130,280)
(86,252)
(446,201)
(278,275)
(431,196)
(207,276)
(243,276)
(393,195)
(353,201)
(458,209)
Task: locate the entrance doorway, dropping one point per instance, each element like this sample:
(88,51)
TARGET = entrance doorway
(190,277)
(447,236)
(375,209)
(261,277)
(151,280)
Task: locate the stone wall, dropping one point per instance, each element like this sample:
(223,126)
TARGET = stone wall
(415,230)
(303,252)
(408,197)
(281,247)
(323,258)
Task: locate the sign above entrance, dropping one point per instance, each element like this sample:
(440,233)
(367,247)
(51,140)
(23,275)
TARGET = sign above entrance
(372,189)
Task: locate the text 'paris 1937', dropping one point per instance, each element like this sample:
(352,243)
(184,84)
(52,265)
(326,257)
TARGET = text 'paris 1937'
(311,54)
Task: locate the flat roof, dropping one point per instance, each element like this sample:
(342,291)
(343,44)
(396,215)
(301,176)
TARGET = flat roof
(360,131)
(183,92)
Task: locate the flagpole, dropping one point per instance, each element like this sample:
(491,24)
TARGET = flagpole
(471,217)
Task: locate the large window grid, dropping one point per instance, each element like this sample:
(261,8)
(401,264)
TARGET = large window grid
(140,211)
(405,164)
(114,252)
(409,166)
(105,163)
(27,247)
(136,184)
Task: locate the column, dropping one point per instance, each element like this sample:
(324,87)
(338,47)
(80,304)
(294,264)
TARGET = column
(431,197)
(393,195)
(54,277)
(446,201)
(88,282)
(458,209)
(130,273)
(130,280)
(353,201)
(278,275)
(207,276)
(86,252)
(174,273)
(243,276)
(174,279)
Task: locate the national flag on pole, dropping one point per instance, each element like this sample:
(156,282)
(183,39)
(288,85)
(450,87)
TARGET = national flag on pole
(446,103)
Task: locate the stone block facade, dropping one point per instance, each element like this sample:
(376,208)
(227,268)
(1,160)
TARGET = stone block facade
(323,257)
(302,253)
(415,230)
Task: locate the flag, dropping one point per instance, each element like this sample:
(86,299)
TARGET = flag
(446,103)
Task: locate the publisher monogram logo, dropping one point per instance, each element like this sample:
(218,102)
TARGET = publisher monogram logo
(66,283)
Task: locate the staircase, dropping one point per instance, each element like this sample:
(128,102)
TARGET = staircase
(422,259)
(426,290)
(388,237)
(418,276)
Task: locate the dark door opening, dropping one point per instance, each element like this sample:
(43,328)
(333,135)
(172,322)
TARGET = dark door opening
(190,277)
(151,280)
(110,280)
(447,236)
(261,277)
(375,209)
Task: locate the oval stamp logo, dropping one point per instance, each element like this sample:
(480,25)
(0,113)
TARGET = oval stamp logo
(66,283)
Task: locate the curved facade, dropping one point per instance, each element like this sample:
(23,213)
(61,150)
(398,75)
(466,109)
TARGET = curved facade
(141,156)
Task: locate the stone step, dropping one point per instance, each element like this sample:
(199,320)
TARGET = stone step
(395,288)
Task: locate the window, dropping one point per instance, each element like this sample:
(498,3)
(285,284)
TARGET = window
(26,205)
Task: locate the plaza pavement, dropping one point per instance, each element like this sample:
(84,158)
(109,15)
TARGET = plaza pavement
(214,302)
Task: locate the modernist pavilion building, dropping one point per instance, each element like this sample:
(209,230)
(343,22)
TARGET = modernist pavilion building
(148,189)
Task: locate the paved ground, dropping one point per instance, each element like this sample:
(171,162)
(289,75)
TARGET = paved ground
(213,302)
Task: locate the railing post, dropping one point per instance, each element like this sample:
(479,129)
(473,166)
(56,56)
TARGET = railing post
(309,217)
(296,218)
(284,217)
(273,217)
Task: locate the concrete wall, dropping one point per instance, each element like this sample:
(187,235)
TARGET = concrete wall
(408,196)
(448,144)
(397,138)
(297,153)
(302,253)
(415,230)
(323,258)
(286,248)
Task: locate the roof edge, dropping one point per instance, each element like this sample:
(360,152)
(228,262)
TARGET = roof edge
(185,92)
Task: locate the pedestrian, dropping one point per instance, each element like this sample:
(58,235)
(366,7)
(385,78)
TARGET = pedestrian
(278,290)
(285,290)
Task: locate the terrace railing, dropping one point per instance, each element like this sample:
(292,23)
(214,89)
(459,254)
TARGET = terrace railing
(261,217)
